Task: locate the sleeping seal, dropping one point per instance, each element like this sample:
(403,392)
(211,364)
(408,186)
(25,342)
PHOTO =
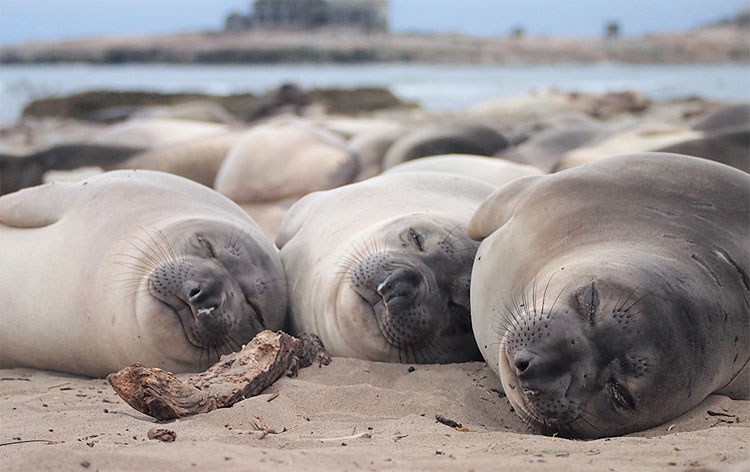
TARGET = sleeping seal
(493,170)
(613,297)
(131,267)
(380,269)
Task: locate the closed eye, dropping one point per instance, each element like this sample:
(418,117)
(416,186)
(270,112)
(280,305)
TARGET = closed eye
(620,396)
(417,239)
(207,246)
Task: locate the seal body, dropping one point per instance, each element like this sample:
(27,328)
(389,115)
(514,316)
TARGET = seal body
(613,297)
(493,170)
(446,138)
(380,269)
(131,267)
(286,158)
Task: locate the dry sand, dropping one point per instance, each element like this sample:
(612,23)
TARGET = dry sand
(92,429)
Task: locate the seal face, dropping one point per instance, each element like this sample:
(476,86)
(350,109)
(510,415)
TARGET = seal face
(219,284)
(416,282)
(380,269)
(575,358)
(628,303)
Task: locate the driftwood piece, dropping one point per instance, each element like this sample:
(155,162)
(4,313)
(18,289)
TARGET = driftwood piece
(236,376)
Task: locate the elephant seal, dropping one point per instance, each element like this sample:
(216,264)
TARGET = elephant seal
(369,148)
(638,137)
(729,116)
(613,297)
(282,159)
(730,146)
(154,132)
(131,267)
(493,170)
(195,159)
(544,150)
(380,269)
(21,171)
(446,138)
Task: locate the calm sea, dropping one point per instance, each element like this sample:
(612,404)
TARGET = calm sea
(434,87)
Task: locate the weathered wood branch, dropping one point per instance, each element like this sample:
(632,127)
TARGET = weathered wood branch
(236,376)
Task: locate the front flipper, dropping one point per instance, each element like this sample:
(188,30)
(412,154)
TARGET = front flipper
(497,208)
(35,207)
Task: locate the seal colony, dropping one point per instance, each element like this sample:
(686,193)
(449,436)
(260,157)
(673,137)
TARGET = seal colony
(614,296)
(634,271)
(131,267)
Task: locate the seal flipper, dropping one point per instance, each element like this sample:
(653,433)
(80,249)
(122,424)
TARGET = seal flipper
(34,207)
(497,208)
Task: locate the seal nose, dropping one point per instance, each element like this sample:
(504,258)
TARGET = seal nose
(202,298)
(399,287)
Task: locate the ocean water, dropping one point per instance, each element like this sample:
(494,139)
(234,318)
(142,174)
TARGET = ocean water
(434,87)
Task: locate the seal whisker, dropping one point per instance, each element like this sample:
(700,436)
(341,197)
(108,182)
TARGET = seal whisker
(626,300)
(449,233)
(158,252)
(635,302)
(552,308)
(181,257)
(149,257)
(544,294)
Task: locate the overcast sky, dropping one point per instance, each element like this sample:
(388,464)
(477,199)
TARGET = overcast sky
(27,20)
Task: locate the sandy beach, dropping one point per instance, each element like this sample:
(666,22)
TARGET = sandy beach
(350,415)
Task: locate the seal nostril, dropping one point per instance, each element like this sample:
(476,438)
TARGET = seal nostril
(194,293)
(522,361)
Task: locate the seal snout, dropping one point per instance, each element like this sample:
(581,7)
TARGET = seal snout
(542,364)
(399,288)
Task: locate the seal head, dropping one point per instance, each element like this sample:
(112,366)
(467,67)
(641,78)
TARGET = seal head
(217,282)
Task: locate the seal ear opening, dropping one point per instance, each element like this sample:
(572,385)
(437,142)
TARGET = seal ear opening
(295,218)
(34,207)
(497,209)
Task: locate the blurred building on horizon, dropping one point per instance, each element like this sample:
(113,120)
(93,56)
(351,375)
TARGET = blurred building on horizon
(362,15)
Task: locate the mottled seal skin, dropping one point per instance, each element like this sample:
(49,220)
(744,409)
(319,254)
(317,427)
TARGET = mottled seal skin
(613,297)
(131,267)
(380,269)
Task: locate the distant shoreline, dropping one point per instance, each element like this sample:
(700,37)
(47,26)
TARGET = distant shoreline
(725,44)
